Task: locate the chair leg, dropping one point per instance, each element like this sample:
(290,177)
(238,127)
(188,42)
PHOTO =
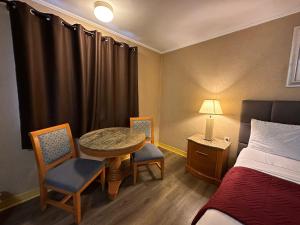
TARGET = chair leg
(162,165)
(102,177)
(77,207)
(43,197)
(135,169)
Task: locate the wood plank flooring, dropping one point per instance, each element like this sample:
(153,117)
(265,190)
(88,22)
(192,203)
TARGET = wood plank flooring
(172,201)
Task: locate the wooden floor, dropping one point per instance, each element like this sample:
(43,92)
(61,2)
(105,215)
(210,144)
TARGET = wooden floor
(174,200)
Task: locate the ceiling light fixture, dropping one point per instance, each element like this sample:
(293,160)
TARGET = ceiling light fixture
(103,11)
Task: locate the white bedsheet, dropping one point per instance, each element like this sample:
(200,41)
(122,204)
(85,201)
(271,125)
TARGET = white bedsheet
(274,165)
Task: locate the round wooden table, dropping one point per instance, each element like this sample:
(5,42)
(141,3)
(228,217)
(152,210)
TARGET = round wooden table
(112,143)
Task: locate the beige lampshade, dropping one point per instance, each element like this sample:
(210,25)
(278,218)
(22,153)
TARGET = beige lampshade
(211,106)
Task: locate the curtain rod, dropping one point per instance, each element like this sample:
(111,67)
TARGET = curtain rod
(47,16)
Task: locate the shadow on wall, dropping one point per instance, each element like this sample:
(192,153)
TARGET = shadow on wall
(18,172)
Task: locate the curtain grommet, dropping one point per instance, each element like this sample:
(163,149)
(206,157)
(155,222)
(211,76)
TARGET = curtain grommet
(31,11)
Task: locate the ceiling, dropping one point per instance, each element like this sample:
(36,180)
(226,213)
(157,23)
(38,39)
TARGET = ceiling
(167,25)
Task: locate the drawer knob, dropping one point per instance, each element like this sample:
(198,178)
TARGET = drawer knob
(201,153)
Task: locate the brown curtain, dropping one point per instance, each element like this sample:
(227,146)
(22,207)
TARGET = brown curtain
(68,74)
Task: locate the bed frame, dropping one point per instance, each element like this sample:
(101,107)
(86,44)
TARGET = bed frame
(287,112)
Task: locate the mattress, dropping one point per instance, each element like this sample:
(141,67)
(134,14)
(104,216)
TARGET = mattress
(274,165)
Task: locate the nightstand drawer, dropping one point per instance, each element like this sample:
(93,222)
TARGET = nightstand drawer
(202,158)
(207,159)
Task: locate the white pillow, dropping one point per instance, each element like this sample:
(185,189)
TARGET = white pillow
(275,138)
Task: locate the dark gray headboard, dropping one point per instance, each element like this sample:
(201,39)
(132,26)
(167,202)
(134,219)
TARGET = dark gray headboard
(287,112)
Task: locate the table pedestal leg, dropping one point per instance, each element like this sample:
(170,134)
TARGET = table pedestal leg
(114,177)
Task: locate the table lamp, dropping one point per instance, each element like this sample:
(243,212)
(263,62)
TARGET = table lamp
(210,107)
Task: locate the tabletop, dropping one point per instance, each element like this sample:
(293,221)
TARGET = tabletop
(215,143)
(107,141)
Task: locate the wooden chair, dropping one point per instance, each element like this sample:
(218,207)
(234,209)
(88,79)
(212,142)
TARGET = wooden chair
(149,154)
(60,170)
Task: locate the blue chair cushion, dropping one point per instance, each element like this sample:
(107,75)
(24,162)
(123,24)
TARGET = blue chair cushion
(73,174)
(148,152)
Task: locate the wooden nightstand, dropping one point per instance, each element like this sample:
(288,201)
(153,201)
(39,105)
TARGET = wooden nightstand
(207,159)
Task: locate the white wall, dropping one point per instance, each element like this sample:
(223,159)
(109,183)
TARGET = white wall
(17,167)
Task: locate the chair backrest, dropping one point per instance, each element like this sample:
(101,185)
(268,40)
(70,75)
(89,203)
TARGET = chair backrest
(144,124)
(52,146)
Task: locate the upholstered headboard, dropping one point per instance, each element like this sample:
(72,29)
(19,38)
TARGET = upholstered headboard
(287,112)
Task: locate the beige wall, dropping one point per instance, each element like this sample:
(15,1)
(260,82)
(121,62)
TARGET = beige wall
(17,168)
(248,64)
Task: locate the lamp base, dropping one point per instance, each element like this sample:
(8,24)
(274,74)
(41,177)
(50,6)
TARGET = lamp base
(209,129)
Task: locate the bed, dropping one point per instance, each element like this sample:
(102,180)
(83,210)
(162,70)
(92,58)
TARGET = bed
(254,159)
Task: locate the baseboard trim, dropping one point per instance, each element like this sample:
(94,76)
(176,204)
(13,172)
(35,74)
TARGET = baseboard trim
(18,199)
(172,149)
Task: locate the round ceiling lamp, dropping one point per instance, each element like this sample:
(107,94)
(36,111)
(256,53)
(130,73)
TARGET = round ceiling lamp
(103,11)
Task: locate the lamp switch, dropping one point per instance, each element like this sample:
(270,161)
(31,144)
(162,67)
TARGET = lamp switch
(227,139)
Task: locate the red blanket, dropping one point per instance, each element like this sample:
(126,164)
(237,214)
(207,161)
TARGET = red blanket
(256,198)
